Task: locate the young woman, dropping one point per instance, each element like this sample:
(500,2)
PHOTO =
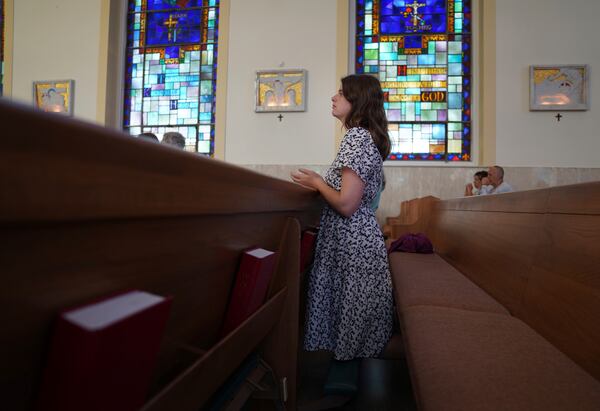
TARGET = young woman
(480,180)
(349,310)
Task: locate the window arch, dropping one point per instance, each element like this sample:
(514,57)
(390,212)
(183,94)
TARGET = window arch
(421,52)
(171,69)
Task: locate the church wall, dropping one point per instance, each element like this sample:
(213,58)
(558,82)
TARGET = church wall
(65,39)
(539,32)
(60,40)
(267,34)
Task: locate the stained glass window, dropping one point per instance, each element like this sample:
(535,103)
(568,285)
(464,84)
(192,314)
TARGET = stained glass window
(171,69)
(1,46)
(421,52)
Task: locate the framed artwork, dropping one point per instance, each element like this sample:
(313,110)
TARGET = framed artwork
(558,88)
(54,96)
(280,90)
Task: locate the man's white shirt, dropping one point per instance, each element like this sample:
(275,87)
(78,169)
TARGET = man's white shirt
(502,188)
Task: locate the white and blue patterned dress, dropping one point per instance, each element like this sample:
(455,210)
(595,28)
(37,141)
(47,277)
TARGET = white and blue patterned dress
(350,308)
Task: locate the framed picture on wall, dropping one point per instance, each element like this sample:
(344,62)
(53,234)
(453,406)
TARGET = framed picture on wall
(558,88)
(280,90)
(54,96)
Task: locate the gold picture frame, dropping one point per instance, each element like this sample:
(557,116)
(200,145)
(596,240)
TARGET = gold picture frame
(280,90)
(558,88)
(54,96)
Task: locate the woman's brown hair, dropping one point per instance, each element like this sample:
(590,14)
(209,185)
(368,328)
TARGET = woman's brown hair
(364,93)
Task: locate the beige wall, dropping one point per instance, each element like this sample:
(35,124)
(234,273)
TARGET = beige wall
(68,39)
(59,40)
(538,32)
(268,34)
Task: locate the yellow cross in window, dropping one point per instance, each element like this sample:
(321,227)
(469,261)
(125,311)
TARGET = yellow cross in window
(171,25)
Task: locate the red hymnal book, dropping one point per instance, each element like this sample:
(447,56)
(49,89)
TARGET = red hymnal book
(102,354)
(307,248)
(250,288)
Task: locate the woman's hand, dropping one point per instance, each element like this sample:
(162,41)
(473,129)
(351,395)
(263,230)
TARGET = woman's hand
(469,190)
(307,178)
(345,201)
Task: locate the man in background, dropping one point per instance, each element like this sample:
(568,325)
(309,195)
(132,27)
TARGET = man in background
(497,183)
(175,139)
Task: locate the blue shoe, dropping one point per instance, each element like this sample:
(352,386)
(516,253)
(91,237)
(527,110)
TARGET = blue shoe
(342,378)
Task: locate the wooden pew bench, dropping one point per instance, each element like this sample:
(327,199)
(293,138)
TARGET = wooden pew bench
(86,212)
(413,218)
(506,314)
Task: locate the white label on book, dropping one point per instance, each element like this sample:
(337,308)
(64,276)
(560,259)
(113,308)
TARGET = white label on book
(259,253)
(97,316)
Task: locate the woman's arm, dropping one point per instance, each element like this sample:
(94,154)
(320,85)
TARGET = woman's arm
(346,201)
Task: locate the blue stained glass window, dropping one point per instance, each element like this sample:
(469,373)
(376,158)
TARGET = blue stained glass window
(169,27)
(421,52)
(169,4)
(172,69)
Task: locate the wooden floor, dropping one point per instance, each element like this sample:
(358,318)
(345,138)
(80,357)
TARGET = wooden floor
(383,385)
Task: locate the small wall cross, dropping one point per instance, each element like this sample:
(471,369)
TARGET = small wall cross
(280,117)
(558,116)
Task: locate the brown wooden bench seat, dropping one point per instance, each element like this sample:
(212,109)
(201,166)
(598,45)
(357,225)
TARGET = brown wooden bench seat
(474,360)
(426,279)
(505,315)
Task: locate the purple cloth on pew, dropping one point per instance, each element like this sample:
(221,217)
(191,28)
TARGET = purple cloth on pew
(412,243)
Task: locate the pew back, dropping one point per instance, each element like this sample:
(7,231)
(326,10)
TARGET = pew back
(413,218)
(538,253)
(85,212)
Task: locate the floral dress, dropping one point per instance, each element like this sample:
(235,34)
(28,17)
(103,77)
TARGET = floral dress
(350,308)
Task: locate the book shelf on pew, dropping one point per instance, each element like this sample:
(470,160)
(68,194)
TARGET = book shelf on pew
(272,331)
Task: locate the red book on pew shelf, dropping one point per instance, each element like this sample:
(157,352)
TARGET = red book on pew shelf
(102,354)
(307,248)
(250,288)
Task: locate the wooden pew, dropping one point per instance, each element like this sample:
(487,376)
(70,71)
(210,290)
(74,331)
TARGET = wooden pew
(85,212)
(413,218)
(537,252)
(507,318)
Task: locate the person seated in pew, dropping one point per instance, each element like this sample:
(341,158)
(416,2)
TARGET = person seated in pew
(497,183)
(350,305)
(148,136)
(480,179)
(175,139)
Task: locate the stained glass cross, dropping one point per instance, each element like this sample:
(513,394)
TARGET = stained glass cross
(172,27)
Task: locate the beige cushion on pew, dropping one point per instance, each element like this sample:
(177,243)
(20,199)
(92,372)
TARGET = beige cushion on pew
(426,279)
(469,360)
